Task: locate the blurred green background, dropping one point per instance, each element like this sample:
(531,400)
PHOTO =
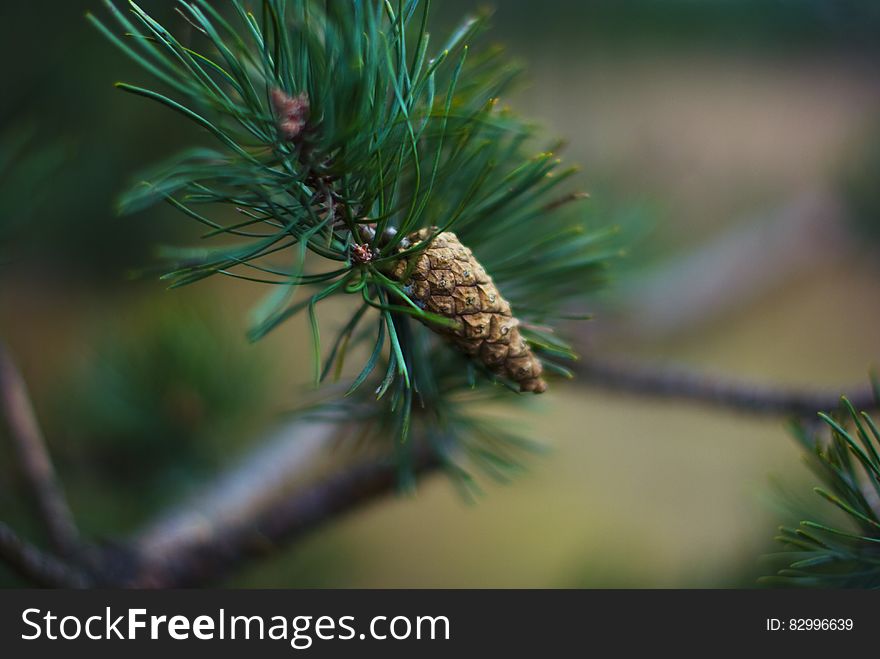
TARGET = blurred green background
(738,144)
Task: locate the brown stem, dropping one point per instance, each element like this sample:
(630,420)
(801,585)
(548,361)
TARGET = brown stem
(34,457)
(188,559)
(270,472)
(36,566)
(256,508)
(676,383)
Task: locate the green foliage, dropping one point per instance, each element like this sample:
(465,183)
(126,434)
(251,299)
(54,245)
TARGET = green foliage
(25,170)
(157,400)
(858,184)
(843,552)
(722,25)
(401,135)
(447,409)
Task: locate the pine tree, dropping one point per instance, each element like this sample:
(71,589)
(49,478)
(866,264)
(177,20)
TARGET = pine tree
(345,153)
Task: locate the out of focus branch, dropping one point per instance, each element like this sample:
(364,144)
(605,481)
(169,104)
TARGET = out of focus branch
(756,255)
(266,502)
(675,383)
(37,567)
(34,457)
(216,543)
(256,508)
(251,511)
(269,473)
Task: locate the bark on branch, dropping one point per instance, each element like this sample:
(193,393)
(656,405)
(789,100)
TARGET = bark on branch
(34,459)
(664,382)
(265,502)
(215,543)
(37,567)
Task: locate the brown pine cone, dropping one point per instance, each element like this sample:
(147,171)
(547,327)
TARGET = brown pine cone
(447,280)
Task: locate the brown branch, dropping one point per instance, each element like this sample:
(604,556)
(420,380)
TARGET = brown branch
(257,508)
(36,566)
(34,457)
(248,512)
(676,383)
(268,473)
(214,545)
(189,559)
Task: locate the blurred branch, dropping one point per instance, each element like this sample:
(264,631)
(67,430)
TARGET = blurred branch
(260,505)
(676,383)
(267,474)
(249,511)
(34,457)
(755,256)
(256,509)
(37,567)
(214,542)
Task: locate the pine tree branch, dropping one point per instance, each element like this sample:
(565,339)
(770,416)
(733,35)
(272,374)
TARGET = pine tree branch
(254,510)
(269,472)
(250,512)
(201,541)
(219,544)
(223,544)
(33,456)
(37,567)
(665,382)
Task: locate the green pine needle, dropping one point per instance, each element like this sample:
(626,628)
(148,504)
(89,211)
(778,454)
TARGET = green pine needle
(844,553)
(399,134)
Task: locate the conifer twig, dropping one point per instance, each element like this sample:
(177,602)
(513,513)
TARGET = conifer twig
(667,382)
(33,456)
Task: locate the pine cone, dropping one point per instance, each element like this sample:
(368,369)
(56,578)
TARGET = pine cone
(447,280)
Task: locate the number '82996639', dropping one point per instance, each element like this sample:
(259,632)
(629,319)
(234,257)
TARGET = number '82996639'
(810,624)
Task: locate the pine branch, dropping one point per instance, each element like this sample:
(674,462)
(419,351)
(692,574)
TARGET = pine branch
(36,566)
(225,545)
(665,382)
(263,476)
(202,541)
(841,550)
(309,150)
(327,119)
(33,456)
(250,511)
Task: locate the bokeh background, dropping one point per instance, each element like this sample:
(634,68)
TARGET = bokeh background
(737,143)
